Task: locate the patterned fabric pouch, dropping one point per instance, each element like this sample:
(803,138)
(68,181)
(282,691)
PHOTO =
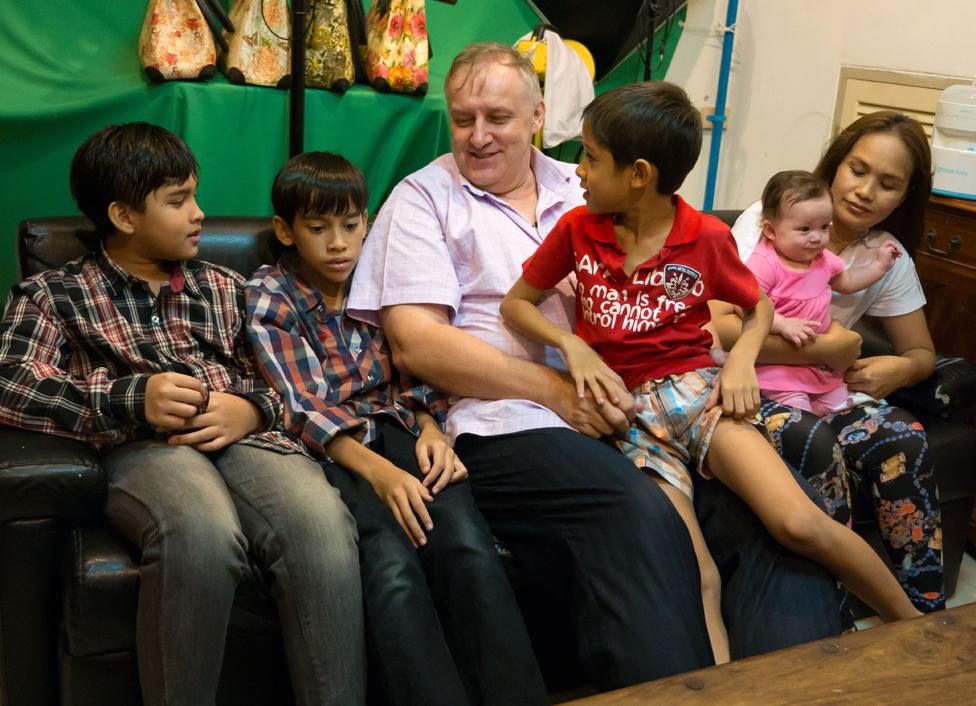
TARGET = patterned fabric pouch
(397,46)
(335,34)
(258,48)
(175,42)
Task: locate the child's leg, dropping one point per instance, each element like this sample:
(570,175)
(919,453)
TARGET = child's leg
(711,582)
(831,401)
(800,400)
(742,459)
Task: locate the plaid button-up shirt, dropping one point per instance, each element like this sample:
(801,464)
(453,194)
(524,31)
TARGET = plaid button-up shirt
(78,345)
(335,374)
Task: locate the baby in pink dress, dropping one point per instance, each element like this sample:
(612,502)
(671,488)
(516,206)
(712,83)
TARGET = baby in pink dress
(798,272)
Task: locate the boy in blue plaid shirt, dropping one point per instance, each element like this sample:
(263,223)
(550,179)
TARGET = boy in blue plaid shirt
(138,349)
(441,619)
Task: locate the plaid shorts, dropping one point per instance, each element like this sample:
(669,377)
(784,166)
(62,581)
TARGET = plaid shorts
(672,431)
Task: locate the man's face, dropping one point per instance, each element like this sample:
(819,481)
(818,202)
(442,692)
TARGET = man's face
(493,117)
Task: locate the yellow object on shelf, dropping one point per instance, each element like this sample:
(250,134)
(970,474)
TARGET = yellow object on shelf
(537,52)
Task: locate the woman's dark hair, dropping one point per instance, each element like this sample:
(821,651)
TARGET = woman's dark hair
(318,183)
(126,163)
(788,188)
(905,222)
(653,120)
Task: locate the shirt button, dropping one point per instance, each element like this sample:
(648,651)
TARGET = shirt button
(155,318)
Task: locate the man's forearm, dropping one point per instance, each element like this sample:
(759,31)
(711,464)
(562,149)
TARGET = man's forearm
(461,364)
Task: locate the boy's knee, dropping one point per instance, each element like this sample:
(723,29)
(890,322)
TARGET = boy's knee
(201,543)
(711,579)
(802,532)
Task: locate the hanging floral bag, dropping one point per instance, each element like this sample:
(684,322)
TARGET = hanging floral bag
(397,46)
(175,42)
(258,47)
(335,34)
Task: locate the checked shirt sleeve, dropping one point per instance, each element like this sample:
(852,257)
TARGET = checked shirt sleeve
(289,364)
(38,392)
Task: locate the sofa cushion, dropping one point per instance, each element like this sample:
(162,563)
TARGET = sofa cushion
(101,591)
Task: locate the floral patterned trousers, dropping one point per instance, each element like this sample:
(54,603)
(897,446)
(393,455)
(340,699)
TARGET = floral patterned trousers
(886,448)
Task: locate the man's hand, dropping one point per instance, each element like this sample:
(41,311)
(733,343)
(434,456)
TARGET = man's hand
(437,460)
(172,399)
(405,496)
(590,418)
(228,419)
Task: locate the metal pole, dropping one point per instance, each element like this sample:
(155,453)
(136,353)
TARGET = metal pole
(718,119)
(296,114)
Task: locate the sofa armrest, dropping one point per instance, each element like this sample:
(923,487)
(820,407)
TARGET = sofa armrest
(952,386)
(42,475)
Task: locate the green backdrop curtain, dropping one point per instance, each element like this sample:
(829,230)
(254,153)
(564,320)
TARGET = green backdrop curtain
(70,68)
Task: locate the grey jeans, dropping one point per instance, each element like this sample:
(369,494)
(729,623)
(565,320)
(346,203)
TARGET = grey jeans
(194,517)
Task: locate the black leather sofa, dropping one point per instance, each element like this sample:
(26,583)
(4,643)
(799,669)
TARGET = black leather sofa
(68,585)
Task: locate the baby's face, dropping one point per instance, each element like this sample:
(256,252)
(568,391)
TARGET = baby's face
(802,230)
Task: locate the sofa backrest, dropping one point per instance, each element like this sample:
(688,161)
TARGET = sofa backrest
(242,243)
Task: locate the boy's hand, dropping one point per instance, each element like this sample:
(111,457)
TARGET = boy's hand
(405,496)
(887,254)
(797,331)
(437,460)
(737,388)
(589,370)
(228,419)
(172,399)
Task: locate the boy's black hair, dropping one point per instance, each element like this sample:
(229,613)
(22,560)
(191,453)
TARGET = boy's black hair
(653,120)
(126,163)
(318,183)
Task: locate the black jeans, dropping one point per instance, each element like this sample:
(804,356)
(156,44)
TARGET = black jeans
(634,583)
(442,623)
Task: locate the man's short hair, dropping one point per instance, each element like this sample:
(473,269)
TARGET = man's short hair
(479,54)
(653,120)
(318,184)
(126,163)
(790,187)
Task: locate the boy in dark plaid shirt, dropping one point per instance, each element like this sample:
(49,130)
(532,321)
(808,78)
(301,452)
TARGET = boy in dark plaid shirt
(422,541)
(139,350)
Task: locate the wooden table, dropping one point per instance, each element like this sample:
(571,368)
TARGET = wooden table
(918,662)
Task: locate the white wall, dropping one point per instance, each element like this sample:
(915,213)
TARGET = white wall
(786,63)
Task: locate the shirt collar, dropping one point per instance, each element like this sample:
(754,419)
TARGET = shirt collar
(684,230)
(118,278)
(307,298)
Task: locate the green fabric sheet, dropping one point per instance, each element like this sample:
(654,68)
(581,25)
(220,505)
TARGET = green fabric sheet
(70,68)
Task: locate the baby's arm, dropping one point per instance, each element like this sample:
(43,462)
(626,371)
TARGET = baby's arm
(858,278)
(586,367)
(796,331)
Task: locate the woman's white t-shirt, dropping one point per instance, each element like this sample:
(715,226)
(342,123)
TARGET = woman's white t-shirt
(898,292)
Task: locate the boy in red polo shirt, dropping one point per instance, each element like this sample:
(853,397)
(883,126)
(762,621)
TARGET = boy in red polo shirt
(646,265)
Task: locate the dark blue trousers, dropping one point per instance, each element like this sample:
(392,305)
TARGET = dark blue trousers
(442,623)
(633,583)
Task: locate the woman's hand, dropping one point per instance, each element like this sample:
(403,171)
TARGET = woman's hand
(879,375)
(589,370)
(437,460)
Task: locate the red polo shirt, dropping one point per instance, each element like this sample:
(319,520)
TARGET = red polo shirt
(647,325)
